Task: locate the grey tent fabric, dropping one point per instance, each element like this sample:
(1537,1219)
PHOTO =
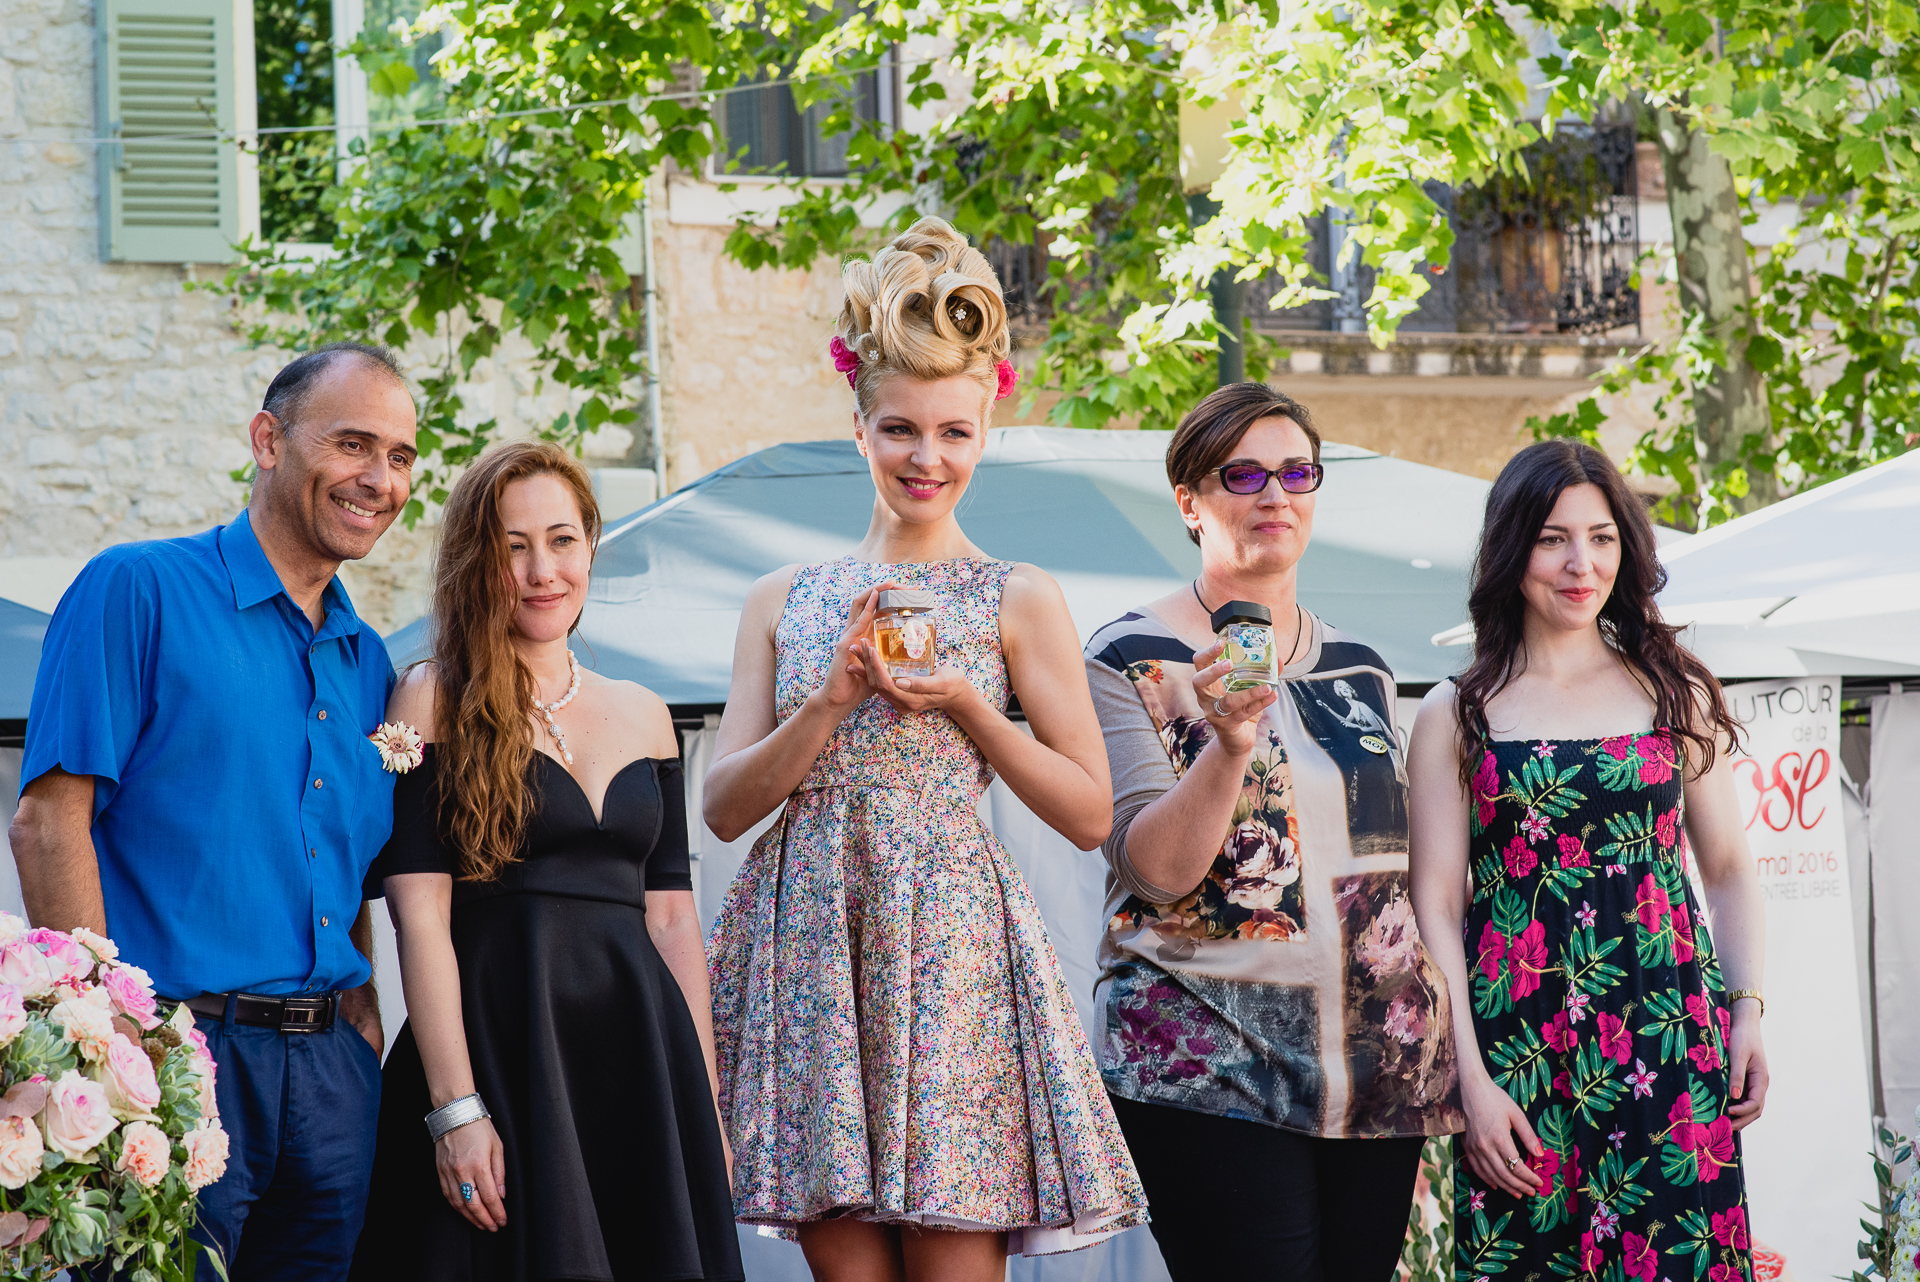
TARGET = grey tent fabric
(21,632)
(1392,545)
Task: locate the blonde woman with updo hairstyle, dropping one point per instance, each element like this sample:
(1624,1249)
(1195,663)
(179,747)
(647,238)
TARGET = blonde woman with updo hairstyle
(558,1038)
(903,1076)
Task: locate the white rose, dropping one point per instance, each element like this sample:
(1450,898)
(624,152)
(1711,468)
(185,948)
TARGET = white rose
(88,1025)
(77,1117)
(21,1151)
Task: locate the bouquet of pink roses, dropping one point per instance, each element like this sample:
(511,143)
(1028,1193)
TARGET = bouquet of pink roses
(108,1127)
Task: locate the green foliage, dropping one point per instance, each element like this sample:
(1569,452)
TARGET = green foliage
(1066,130)
(456,237)
(1817,105)
(1876,1245)
(293,69)
(1427,1254)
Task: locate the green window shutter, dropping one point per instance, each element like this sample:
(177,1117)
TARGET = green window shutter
(170,67)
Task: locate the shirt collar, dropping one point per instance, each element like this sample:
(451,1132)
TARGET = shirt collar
(255,580)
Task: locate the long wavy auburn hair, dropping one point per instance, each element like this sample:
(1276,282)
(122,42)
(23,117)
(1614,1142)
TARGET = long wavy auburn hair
(483,700)
(1686,697)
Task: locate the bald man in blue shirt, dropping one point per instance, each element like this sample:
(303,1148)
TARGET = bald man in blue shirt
(200,786)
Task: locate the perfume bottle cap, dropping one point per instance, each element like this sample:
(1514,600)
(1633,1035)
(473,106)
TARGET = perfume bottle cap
(1241,612)
(907,599)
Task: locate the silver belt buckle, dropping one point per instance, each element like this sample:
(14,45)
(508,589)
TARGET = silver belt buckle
(305,1014)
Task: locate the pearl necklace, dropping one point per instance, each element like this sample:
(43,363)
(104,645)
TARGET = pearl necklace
(548,709)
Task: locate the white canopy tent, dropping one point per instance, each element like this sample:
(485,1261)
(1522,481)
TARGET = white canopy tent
(1824,583)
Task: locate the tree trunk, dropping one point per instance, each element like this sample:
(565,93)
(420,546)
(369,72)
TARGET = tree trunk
(1711,254)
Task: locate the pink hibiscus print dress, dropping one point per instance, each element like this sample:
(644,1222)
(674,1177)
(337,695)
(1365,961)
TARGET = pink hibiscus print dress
(1598,1004)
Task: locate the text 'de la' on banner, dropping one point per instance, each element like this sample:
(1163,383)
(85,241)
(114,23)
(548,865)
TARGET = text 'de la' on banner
(1806,1158)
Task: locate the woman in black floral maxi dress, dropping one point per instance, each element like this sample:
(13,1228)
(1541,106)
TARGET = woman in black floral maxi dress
(1612,1071)
(1600,1010)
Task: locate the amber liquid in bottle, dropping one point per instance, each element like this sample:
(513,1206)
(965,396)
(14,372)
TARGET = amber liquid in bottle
(906,643)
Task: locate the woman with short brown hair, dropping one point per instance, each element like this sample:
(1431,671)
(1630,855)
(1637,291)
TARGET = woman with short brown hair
(558,1041)
(1276,1041)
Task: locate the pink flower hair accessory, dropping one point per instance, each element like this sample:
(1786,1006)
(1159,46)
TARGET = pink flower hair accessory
(845,359)
(1008,377)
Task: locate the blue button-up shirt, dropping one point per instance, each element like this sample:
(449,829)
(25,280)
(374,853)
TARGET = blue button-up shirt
(237,800)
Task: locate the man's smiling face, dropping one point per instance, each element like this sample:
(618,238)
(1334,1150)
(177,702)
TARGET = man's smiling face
(338,476)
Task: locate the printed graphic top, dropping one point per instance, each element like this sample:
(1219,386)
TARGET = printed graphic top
(1290,987)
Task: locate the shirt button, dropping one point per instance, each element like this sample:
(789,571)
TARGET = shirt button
(316,783)
(313,852)
(323,714)
(323,921)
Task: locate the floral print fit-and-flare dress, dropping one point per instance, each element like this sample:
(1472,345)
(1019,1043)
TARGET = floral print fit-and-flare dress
(895,1039)
(1598,1004)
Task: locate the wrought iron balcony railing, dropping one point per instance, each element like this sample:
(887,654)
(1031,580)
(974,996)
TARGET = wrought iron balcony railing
(1550,253)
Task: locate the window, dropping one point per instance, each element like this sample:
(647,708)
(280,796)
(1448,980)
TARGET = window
(171,74)
(766,131)
(293,87)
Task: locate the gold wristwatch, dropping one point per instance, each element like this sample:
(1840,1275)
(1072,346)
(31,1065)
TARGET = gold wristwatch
(1754,993)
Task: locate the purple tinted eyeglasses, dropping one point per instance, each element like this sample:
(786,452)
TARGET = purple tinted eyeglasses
(1251,478)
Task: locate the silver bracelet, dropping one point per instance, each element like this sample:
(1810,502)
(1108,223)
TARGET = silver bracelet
(456,1113)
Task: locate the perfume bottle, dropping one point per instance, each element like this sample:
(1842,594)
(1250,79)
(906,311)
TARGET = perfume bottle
(1247,628)
(903,631)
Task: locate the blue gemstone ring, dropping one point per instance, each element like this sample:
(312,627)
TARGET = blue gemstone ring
(466,1192)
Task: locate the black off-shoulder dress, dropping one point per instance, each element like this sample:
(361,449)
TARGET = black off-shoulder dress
(582,1047)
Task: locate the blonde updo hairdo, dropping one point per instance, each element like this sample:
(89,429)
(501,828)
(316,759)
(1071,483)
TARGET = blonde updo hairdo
(927,306)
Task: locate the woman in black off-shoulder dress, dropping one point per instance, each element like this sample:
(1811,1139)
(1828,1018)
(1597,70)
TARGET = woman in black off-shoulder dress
(561,981)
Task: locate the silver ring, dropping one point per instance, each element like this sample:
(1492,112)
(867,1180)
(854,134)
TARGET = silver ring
(466,1192)
(1513,1164)
(1218,711)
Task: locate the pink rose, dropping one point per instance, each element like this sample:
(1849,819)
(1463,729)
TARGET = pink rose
(200,1057)
(1006,376)
(127,1073)
(88,1026)
(11,928)
(145,1153)
(13,1014)
(77,1117)
(21,1151)
(26,968)
(206,1154)
(69,962)
(132,994)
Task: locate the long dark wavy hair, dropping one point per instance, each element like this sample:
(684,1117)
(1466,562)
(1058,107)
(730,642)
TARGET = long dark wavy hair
(1687,699)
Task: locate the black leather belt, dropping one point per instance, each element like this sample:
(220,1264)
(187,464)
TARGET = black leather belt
(288,1014)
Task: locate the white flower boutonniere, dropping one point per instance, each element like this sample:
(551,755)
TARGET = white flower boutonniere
(399,745)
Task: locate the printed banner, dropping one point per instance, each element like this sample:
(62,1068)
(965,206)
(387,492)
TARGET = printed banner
(1806,1158)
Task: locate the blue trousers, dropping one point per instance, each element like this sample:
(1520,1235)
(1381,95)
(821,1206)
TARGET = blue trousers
(300,1110)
